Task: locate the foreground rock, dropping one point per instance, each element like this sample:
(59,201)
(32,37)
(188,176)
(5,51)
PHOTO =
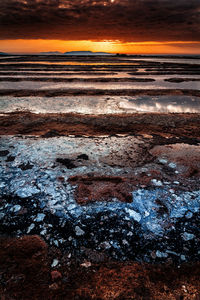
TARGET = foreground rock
(26,273)
(104,198)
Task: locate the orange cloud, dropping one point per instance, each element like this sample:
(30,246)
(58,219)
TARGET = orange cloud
(36,46)
(124,20)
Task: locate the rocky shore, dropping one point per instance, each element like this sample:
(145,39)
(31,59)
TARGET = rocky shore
(99,206)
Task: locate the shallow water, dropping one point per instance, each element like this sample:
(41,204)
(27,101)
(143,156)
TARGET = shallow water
(99,75)
(159,84)
(102,104)
(168,60)
(74,75)
(69,63)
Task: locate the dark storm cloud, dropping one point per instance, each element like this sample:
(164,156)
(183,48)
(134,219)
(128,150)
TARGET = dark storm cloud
(125,20)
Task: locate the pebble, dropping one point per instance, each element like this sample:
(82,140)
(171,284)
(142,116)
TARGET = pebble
(55,243)
(156,182)
(124,242)
(105,245)
(71,206)
(176,182)
(53,286)
(161,254)
(163,161)
(43,232)
(39,218)
(79,231)
(189,215)
(172,252)
(55,275)
(188,236)
(129,233)
(30,228)
(86,264)
(184,288)
(16,208)
(54,263)
(172,165)
(136,216)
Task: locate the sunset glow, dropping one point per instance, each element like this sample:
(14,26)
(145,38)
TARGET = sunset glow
(115,26)
(40,45)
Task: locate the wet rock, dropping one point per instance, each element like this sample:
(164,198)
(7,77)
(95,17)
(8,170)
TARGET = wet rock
(66,162)
(25,167)
(154,217)
(10,158)
(51,133)
(4,153)
(27,191)
(83,156)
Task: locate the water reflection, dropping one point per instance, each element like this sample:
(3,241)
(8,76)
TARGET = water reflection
(102,104)
(68,63)
(165,104)
(159,84)
(191,61)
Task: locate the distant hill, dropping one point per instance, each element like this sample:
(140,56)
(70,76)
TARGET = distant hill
(86,53)
(51,53)
(3,53)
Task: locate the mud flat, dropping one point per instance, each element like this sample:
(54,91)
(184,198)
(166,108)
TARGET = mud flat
(99,201)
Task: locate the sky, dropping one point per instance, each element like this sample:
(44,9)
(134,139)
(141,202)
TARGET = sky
(115,26)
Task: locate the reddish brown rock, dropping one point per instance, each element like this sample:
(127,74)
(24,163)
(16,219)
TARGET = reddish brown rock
(106,188)
(55,275)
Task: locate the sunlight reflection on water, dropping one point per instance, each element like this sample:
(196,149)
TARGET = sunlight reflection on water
(101,104)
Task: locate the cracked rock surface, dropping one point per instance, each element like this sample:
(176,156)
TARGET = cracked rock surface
(122,197)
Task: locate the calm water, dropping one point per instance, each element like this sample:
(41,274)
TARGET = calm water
(101,104)
(159,84)
(98,104)
(69,63)
(169,60)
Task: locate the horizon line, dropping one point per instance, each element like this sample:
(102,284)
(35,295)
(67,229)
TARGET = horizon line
(111,53)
